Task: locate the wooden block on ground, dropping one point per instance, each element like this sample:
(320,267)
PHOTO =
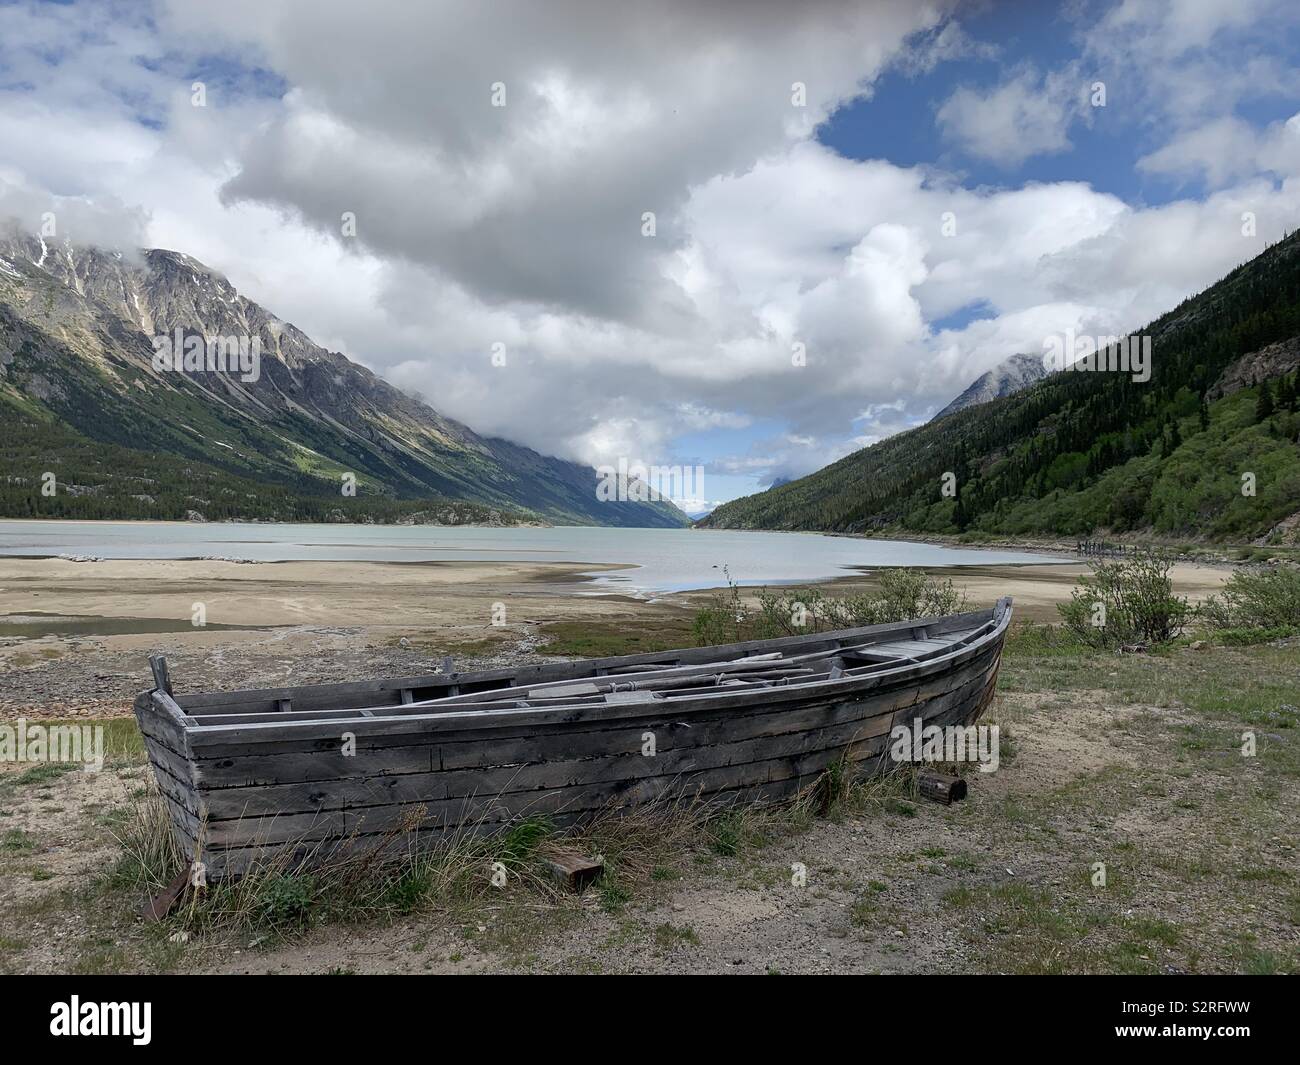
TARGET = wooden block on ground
(940,787)
(571,869)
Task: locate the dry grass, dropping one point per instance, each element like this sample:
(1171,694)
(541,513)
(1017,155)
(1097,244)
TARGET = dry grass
(291,889)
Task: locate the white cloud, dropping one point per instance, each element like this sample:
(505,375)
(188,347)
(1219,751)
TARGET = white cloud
(1028,114)
(1172,65)
(522,227)
(947,42)
(1229,149)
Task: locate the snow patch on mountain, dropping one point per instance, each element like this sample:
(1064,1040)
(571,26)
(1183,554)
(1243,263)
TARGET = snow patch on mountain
(1010,375)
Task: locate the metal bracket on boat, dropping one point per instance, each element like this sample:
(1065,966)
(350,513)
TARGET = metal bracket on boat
(161,680)
(157,908)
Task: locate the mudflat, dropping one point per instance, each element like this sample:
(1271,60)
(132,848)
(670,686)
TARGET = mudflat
(74,636)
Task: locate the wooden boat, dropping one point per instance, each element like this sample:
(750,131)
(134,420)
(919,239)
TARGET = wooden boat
(323,767)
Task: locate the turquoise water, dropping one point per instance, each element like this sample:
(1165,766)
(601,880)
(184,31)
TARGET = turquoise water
(660,560)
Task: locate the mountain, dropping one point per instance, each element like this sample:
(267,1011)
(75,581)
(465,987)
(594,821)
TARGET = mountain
(78,369)
(1207,446)
(1008,376)
(696,515)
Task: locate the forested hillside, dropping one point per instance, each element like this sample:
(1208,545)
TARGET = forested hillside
(96,480)
(1081,452)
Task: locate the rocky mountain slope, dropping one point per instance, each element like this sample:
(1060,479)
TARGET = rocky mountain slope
(77,356)
(1008,376)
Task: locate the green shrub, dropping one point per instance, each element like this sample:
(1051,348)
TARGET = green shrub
(408,890)
(521,842)
(904,594)
(1126,601)
(1256,599)
(1247,637)
(285,902)
(725,619)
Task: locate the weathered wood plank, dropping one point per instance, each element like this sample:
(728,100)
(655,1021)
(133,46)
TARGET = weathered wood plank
(571,869)
(940,787)
(324,696)
(158,724)
(251,788)
(637,773)
(177,765)
(548,775)
(471,749)
(334,772)
(740,699)
(373,845)
(504,808)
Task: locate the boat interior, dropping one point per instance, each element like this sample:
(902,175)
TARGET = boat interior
(668,675)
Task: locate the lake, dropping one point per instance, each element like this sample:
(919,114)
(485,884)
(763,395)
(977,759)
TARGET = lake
(663,560)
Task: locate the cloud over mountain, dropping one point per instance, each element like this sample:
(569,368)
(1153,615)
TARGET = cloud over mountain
(522,225)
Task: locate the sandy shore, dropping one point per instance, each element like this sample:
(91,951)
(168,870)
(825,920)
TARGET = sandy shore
(259,594)
(306,622)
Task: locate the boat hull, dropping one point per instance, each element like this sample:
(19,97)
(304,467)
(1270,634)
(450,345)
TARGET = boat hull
(243,788)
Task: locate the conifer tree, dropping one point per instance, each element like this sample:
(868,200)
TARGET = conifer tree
(1264,404)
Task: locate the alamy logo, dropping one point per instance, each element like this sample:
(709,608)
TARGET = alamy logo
(22,742)
(103,1018)
(1083,353)
(214,354)
(640,483)
(946,743)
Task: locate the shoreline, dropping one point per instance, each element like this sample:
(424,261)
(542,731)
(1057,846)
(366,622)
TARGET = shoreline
(1205,553)
(312,524)
(1043,545)
(89,626)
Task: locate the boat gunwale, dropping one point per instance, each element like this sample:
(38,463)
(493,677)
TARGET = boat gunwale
(551,695)
(470,719)
(199,700)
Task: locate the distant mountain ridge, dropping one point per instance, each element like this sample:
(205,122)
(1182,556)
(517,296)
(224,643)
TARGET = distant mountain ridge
(1207,447)
(1008,376)
(76,354)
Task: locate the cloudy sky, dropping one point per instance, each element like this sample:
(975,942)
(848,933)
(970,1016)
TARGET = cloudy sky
(858,207)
